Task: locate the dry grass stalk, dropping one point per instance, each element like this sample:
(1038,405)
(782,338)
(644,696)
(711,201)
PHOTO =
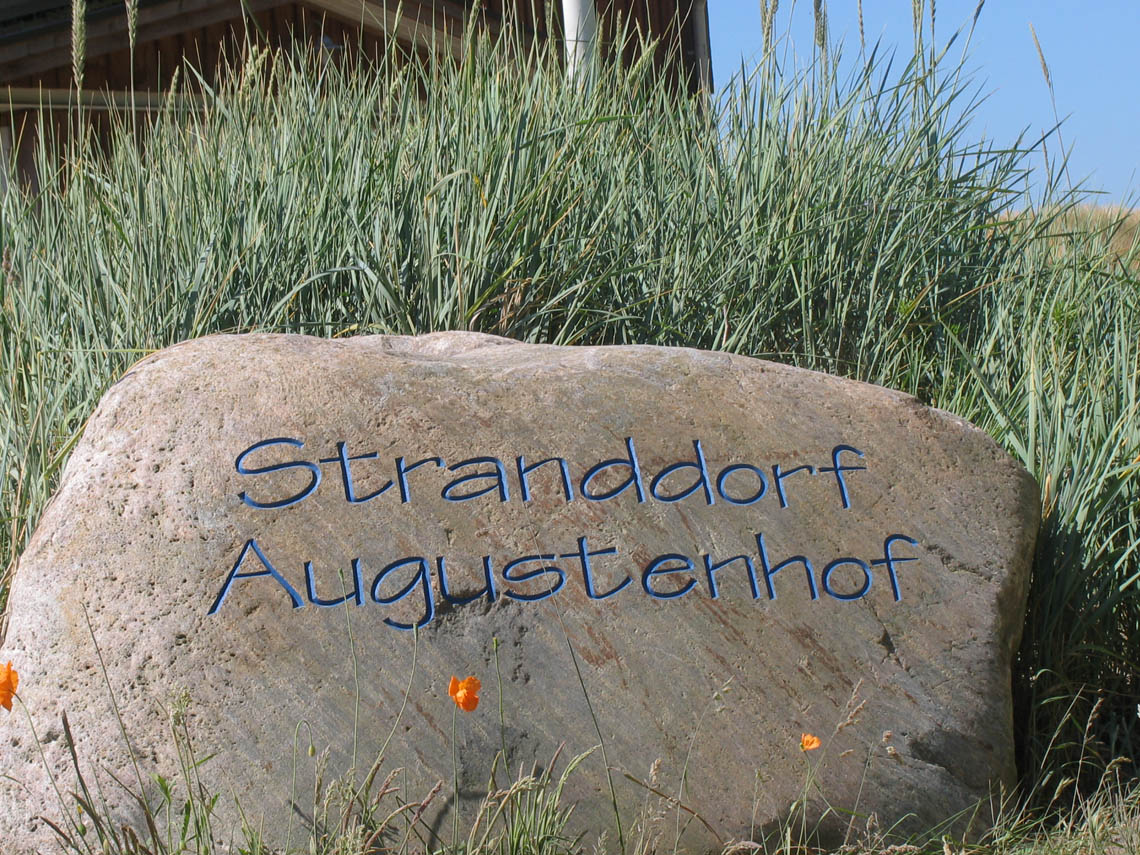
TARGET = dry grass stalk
(78,40)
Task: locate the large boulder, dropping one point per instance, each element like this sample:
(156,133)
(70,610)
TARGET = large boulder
(730,553)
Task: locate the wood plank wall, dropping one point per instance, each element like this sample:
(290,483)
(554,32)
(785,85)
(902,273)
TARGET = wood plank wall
(670,22)
(217,30)
(162,46)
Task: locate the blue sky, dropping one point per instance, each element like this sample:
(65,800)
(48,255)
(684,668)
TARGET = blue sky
(1091,48)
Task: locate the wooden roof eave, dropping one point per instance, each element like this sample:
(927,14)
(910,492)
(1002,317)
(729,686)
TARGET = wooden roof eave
(52,49)
(379,18)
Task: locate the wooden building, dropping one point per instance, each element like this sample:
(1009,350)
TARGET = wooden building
(36,41)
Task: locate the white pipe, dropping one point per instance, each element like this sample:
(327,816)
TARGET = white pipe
(6,154)
(581,27)
(700,26)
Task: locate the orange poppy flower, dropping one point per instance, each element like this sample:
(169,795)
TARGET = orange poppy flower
(809,742)
(9,679)
(465,692)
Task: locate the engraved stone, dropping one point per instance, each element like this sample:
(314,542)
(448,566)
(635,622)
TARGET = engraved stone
(735,552)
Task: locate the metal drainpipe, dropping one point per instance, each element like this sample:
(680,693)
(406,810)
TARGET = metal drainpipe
(581,28)
(700,24)
(6,154)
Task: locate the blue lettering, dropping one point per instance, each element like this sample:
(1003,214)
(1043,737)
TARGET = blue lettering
(738,467)
(710,572)
(633,480)
(659,567)
(835,565)
(702,478)
(269,570)
(499,476)
(357,588)
(839,470)
(770,571)
(488,583)
(584,555)
(402,471)
(314,472)
(544,570)
(422,579)
(525,470)
(346,474)
(779,477)
(891,560)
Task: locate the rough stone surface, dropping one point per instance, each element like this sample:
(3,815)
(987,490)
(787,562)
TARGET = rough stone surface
(150,521)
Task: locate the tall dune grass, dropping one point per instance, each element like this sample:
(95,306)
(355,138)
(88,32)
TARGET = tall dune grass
(842,220)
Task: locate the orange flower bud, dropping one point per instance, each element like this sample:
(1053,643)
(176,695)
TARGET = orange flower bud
(809,742)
